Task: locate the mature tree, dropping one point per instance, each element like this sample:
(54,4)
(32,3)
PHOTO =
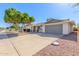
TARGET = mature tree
(24,18)
(16,17)
(13,26)
(31,19)
(12,16)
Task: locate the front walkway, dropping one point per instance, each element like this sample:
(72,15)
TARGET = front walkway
(25,45)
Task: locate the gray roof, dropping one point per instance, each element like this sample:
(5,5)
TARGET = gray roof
(51,20)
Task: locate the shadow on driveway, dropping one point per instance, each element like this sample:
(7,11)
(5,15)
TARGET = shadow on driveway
(71,36)
(7,35)
(47,35)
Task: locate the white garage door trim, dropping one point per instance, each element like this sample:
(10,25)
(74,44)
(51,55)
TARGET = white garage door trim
(65,27)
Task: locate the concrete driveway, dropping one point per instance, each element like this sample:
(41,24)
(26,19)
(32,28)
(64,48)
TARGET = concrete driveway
(26,45)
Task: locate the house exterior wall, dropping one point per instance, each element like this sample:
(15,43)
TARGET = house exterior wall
(70,28)
(32,28)
(59,28)
(43,28)
(67,28)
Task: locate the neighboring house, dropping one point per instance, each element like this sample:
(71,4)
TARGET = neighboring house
(54,26)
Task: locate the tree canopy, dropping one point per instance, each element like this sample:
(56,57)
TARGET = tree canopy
(16,17)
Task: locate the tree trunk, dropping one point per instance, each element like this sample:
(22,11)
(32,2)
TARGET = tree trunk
(17,26)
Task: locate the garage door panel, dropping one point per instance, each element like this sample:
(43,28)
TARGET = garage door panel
(54,29)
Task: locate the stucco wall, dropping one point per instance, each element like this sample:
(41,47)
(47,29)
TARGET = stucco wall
(70,28)
(43,28)
(67,28)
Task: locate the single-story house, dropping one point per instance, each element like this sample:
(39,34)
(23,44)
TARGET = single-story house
(54,26)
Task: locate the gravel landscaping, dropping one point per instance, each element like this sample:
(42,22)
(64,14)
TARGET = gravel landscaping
(68,46)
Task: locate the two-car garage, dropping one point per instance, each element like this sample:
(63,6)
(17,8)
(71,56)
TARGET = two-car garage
(54,29)
(62,28)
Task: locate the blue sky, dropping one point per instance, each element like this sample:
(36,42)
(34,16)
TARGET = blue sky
(42,11)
